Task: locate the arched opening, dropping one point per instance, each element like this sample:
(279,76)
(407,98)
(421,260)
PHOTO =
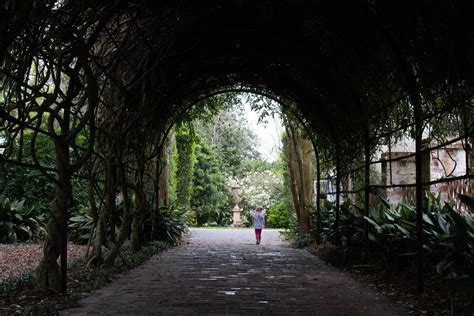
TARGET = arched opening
(220,163)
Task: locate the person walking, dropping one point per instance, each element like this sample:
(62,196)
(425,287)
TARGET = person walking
(258,222)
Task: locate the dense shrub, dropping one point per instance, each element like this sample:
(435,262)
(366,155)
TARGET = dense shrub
(171,224)
(81,225)
(17,283)
(209,200)
(448,235)
(278,215)
(20,223)
(31,186)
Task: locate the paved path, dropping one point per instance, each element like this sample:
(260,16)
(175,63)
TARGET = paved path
(223,272)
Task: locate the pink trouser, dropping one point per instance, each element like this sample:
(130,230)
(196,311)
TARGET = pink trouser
(258,233)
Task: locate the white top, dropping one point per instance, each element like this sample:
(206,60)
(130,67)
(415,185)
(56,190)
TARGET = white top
(258,219)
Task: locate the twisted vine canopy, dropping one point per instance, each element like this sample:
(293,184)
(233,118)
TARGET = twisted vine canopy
(341,66)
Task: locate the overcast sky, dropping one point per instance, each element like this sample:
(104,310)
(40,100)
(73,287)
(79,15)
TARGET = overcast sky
(269,133)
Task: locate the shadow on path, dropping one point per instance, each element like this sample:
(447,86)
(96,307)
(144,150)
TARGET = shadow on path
(223,272)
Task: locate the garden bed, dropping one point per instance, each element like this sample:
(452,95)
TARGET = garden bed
(18,296)
(396,280)
(18,258)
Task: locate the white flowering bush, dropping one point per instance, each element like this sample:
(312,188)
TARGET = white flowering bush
(259,188)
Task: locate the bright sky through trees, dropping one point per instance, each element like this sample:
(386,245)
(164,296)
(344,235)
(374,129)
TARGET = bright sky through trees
(269,132)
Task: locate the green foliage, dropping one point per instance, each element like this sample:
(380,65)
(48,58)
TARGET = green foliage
(173,166)
(80,226)
(45,307)
(292,232)
(28,185)
(97,277)
(302,241)
(206,110)
(172,224)
(27,220)
(20,223)
(185,165)
(232,140)
(36,192)
(461,254)
(451,237)
(279,215)
(225,150)
(101,276)
(25,280)
(209,199)
(448,240)
(448,235)
(283,170)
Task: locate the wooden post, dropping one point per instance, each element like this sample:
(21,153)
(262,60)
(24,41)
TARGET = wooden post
(338,194)
(419,191)
(318,195)
(468,142)
(407,72)
(366,193)
(390,158)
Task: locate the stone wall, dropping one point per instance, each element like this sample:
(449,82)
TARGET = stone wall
(449,161)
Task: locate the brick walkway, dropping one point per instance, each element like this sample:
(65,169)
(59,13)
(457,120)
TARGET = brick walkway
(223,272)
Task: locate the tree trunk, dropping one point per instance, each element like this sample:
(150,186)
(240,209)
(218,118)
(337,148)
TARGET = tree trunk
(48,271)
(140,206)
(161,183)
(318,195)
(184,174)
(107,209)
(136,233)
(300,182)
(300,169)
(338,197)
(156,199)
(299,145)
(293,172)
(308,178)
(48,276)
(165,172)
(126,218)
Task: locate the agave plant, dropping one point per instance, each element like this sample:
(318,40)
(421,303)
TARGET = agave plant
(458,242)
(448,235)
(448,240)
(171,224)
(393,228)
(351,221)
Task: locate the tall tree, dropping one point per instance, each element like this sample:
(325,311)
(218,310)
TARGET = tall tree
(234,141)
(209,198)
(164,171)
(300,169)
(185,145)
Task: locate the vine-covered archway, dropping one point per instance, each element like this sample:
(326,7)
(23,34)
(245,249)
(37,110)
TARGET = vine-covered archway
(103,82)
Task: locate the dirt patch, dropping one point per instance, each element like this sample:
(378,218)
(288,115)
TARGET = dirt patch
(15,259)
(81,279)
